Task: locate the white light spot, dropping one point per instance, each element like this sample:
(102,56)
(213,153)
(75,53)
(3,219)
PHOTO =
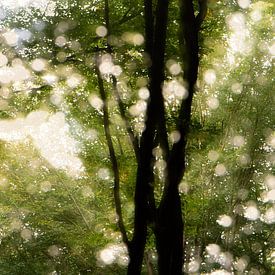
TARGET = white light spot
(256,15)
(74,80)
(220,272)
(238,141)
(251,213)
(11,38)
(95,102)
(213,155)
(184,187)
(138,39)
(106,66)
(25,35)
(116,70)
(237,88)
(107,256)
(20,73)
(143,93)
(103,173)
(241,264)
(53,251)
(133,38)
(26,234)
(225,221)
(193,266)
(175,136)
(101,31)
(244,159)
(16,224)
(138,108)
(91,135)
(113,253)
(56,99)
(270,181)
(213,103)
(210,76)
(244,4)
(45,186)
(271,140)
(60,41)
(236,21)
(38,64)
(213,250)
(87,192)
(269,216)
(272,49)
(173,67)
(220,170)
(50,78)
(174,89)
(39,25)
(3,60)
(50,134)
(271,195)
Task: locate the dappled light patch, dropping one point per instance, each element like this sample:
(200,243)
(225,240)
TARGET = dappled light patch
(74,72)
(113,254)
(45,130)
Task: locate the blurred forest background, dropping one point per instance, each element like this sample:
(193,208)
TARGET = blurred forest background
(73,100)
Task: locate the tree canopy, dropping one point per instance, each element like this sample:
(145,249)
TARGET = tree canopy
(137,137)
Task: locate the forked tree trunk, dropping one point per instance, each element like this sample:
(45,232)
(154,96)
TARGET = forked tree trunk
(168,217)
(170,226)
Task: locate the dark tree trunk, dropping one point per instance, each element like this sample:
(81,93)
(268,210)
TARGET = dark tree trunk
(168,217)
(155,36)
(170,226)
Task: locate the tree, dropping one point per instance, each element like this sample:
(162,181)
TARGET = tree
(148,139)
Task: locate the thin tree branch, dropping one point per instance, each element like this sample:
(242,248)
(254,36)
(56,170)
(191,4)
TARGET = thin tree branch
(133,138)
(126,18)
(113,158)
(202,13)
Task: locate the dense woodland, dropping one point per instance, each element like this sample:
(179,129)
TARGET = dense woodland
(137,137)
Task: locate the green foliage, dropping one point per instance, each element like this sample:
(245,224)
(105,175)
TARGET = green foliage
(53,221)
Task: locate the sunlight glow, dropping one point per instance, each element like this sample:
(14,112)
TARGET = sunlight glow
(225,221)
(16,4)
(50,134)
(113,253)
